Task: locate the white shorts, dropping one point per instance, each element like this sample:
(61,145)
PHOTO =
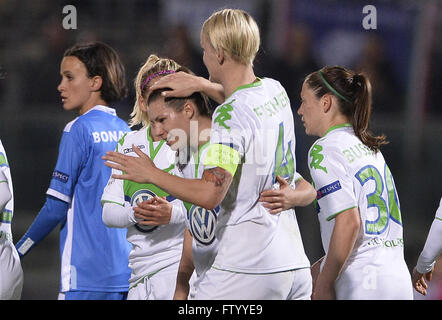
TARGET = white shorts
(224,285)
(11,272)
(159,286)
(374,283)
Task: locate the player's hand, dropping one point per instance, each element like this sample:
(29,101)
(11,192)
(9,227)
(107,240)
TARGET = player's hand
(277,200)
(418,280)
(182,84)
(138,169)
(324,290)
(153,212)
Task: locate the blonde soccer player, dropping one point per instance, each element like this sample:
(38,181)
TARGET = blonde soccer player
(11,272)
(260,256)
(156,241)
(357,202)
(184,124)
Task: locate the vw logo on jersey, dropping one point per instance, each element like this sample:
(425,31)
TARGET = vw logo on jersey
(140,196)
(202,224)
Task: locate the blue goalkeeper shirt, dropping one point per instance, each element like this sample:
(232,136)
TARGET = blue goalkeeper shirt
(93,256)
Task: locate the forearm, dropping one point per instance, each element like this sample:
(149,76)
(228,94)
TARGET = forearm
(117,216)
(304,194)
(213,90)
(341,245)
(432,248)
(197,191)
(53,212)
(185,268)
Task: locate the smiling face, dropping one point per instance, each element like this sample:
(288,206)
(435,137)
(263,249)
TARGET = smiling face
(169,124)
(75,86)
(310,111)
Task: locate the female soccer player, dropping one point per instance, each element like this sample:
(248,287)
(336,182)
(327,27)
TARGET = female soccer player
(427,259)
(260,256)
(359,212)
(94,258)
(157,241)
(185,125)
(11,273)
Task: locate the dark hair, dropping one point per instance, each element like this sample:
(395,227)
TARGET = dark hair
(199,98)
(353,92)
(101,60)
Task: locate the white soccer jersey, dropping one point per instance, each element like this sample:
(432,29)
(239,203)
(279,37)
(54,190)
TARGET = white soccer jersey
(433,244)
(7,212)
(347,174)
(153,248)
(11,273)
(200,222)
(257,122)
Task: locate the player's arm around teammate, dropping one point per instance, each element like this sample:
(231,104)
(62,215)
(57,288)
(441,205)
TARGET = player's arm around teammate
(286,197)
(424,268)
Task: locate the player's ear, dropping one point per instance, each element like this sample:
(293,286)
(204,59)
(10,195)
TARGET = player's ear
(189,110)
(96,83)
(326,102)
(220,56)
(142,104)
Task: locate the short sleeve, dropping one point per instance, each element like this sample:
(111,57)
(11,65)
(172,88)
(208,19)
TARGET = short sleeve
(227,129)
(334,186)
(114,190)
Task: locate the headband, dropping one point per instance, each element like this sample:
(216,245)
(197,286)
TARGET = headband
(154,75)
(331,88)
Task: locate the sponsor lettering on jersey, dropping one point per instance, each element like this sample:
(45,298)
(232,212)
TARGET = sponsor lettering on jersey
(330,188)
(60,176)
(127,150)
(107,136)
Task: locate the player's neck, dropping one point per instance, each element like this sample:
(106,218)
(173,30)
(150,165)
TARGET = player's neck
(236,75)
(93,101)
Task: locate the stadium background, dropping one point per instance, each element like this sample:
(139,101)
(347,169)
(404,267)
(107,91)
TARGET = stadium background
(402,57)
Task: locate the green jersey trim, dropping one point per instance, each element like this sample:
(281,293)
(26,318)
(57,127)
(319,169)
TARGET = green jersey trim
(337,127)
(255,83)
(108,201)
(152,150)
(437,218)
(331,217)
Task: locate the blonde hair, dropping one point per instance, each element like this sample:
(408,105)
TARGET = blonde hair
(235,32)
(153,64)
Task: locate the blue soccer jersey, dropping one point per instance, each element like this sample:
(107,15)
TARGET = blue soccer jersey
(93,256)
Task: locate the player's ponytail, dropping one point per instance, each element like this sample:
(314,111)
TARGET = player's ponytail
(153,65)
(353,93)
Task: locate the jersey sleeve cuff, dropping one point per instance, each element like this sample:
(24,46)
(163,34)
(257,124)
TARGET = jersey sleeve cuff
(59,195)
(332,216)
